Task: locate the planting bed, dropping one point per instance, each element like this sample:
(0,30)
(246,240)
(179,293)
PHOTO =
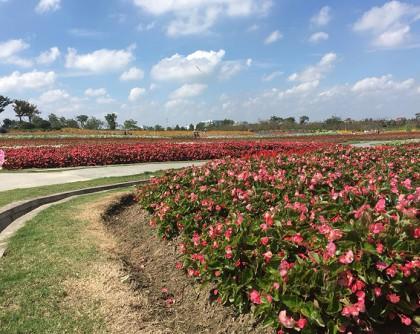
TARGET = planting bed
(320,242)
(99,154)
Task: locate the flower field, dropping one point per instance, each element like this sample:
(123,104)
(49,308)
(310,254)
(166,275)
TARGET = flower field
(325,241)
(115,153)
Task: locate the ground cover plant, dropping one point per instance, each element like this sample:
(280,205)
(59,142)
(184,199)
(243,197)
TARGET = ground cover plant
(91,155)
(56,139)
(321,242)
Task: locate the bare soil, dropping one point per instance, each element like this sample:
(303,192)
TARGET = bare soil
(167,301)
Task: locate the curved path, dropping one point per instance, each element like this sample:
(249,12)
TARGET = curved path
(37,178)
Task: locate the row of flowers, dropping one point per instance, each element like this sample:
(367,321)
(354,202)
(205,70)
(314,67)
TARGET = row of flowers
(107,154)
(107,138)
(321,242)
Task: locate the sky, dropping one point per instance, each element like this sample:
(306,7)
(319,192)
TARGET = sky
(184,61)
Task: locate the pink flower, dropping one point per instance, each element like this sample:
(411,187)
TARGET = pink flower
(268,219)
(407,184)
(297,239)
(267,256)
(376,228)
(331,249)
(265,240)
(229,253)
(393,298)
(286,321)
(379,248)
(255,297)
(2,155)
(301,323)
(377,291)
(405,320)
(347,258)
(380,206)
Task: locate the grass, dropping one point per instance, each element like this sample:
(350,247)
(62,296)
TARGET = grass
(46,252)
(10,196)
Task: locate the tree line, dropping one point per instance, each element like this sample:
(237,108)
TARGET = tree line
(27,115)
(28,118)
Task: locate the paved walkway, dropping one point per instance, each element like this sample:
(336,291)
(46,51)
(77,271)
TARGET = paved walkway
(14,180)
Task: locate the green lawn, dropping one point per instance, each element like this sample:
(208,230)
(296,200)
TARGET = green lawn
(49,250)
(10,196)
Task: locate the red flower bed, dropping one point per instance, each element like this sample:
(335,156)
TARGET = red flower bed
(324,242)
(90,155)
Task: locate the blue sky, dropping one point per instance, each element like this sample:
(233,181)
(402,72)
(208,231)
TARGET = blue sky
(184,61)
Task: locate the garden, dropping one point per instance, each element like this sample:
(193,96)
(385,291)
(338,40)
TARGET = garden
(75,155)
(322,241)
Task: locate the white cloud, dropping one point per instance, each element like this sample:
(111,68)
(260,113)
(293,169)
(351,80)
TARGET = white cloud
(389,25)
(196,65)
(12,47)
(299,89)
(91,92)
(323,17)
(30,80)
(273,37)
(254,27)
(385,82)
(231,68)
(49,56)
(133,73)
(177,104)
(198,16)
(316,72)
(146,27)
(9,52)
(188,90)
(45,6)
(318,37)
(271,76)
(136,93)
(99,61)
(52,96)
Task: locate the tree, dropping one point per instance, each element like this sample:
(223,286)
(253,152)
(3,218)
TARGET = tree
(25,109)
(55,122)
(82,119)
(4,102)
(7,123)
(111,119)
(191,127)
(130,124)
(303,120)
(290,120)
(40,123)
(94,124)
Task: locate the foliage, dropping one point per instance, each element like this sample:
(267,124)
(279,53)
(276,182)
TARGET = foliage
(4,102)
(111,119)
(323,242)
(25,109)
(130,124)
(94,124)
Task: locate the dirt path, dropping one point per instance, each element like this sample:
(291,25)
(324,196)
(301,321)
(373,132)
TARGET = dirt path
(137,287)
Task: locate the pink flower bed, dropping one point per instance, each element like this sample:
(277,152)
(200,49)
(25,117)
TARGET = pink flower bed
(321,242)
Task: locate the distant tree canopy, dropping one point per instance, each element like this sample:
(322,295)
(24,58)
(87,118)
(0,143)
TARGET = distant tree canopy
(25,109)
(94,124)
(111,119)
(82,119)
(4,102)
(130,124)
